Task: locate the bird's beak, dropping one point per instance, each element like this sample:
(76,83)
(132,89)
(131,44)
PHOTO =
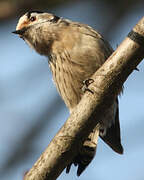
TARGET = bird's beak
(20,31)
(17,32)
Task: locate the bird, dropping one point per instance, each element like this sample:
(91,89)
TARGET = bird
(75,52)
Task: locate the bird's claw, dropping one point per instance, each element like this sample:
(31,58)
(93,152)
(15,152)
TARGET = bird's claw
(86,83)
(136,69)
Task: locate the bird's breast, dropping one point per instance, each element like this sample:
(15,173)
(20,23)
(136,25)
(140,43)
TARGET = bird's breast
(68,80)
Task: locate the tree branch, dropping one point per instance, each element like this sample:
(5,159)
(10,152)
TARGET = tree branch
(108,81)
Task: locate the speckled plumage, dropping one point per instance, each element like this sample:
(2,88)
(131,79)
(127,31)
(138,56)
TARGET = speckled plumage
(75,52)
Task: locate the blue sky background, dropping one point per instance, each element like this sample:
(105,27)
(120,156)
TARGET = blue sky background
(31,110)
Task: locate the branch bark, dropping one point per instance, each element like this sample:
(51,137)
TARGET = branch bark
(108,81)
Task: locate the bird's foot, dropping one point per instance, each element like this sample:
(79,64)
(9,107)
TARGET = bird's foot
(86,83)
(136,69)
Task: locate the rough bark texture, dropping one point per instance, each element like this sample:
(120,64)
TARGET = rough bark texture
(108,81)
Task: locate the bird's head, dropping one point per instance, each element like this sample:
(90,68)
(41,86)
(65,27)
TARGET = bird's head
(37,29)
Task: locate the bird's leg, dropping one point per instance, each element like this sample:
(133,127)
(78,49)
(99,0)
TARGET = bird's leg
(86,83)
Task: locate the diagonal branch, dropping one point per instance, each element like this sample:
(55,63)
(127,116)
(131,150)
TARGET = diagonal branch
(108,81)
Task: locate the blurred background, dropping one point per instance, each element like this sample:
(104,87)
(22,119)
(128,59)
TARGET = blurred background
(31,111)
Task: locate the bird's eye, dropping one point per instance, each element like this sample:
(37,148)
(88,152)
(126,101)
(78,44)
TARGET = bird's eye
(33,18)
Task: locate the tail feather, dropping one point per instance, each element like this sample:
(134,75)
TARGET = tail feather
(112,136)
(86,153)
(84,158)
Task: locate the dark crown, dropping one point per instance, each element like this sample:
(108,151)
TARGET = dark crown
(30,12)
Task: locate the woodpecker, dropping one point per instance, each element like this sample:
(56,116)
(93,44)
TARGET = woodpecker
(75,51)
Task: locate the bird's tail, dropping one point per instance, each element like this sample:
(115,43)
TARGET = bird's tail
(86,153)
(112,136)
(109,134)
